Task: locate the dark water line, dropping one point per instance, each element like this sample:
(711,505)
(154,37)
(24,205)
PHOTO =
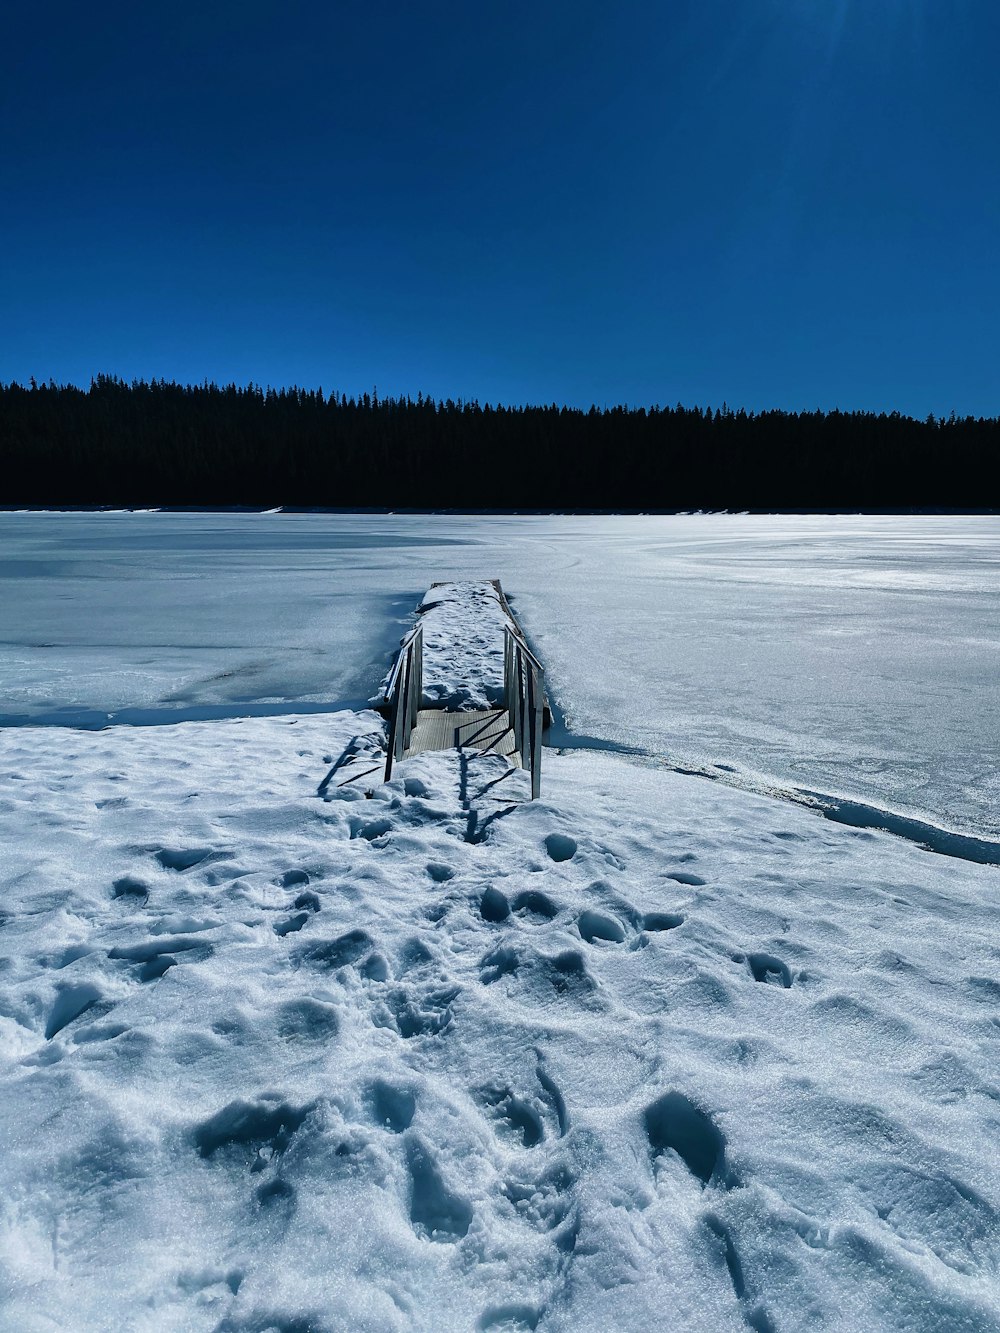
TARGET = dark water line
(855,814)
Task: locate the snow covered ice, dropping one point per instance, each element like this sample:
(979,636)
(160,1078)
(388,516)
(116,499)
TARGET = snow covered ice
(649,1052)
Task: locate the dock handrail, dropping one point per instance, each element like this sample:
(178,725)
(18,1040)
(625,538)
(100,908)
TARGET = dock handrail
(524,695)
(404,690)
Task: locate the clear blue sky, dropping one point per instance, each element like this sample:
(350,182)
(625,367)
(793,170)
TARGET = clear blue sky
(789,203)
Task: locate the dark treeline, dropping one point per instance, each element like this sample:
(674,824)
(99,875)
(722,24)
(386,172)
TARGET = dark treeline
(207,445)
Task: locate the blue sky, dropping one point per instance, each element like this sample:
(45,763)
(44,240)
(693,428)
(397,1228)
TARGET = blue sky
(791,203)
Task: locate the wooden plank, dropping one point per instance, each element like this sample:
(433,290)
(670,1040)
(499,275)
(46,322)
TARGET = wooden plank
(485,729)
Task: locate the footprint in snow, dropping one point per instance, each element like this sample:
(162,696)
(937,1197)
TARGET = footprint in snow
(291,924)
(674,1124)
(184,858)
(155,957)
(307,1019)
(372,830)
(766,968)
(436,1211)
(346,950)
(531,904)
(517,1118)
(685,877)
(412,1014)
(391,1106)
(253,1133)
(596,928)
(130,893)
(560,846)
(493,906)
(658,921)
(510,1318)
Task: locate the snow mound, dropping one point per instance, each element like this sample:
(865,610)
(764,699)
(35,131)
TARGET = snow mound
(273,1058)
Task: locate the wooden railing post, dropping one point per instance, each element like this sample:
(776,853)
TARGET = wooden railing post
(538,690)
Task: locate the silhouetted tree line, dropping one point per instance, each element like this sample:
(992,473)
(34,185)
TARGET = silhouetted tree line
(160,443)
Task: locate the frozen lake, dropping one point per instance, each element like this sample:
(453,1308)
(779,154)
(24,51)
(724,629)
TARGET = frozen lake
(855,656)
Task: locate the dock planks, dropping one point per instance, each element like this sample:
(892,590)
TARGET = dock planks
(487,730)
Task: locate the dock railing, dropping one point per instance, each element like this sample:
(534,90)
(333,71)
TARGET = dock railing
(524,695)
(404,691)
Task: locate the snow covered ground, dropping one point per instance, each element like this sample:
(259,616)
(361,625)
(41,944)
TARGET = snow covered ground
(648,1052)
(850,655)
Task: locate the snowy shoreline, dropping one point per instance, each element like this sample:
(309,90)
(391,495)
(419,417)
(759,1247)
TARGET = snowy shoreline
(419,1062)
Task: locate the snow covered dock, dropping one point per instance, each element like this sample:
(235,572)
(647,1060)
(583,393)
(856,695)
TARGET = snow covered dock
(465,678)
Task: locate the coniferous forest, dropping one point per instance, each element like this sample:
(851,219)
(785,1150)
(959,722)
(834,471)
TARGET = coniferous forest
(166,444)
